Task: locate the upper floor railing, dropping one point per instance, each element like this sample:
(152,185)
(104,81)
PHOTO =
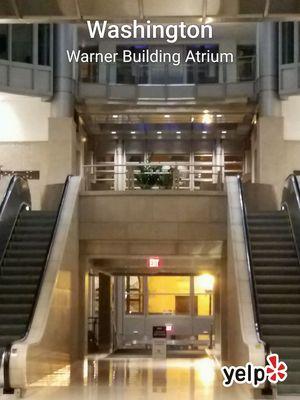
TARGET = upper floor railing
(157,175)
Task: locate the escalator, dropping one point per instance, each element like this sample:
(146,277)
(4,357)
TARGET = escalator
(29,236)
(275,276)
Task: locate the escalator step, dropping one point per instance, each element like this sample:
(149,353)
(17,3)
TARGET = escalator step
(15,308)
(280,319)
(280,300)
(287,352)
(24,270)
(278,279)
(10,280)
(18,289)
(15,329)
(280,245)
(14,318)
(5,340)
(282,341)
(38,261)
(286,289)
(34,245)
(276,261)
(274,253)
(38,237)
(25,253)
(16,299)
(28,230)
(280,330)
(262,270)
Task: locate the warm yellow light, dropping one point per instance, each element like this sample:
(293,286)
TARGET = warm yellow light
(205,371)
(207,119)
(204,283)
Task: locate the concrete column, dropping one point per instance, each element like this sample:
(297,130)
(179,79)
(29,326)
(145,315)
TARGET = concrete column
(63,100)
(267,49)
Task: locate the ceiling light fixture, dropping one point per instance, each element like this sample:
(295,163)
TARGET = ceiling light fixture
(167,116)
(113,132)
(159,132)
(224,132)
(219,115)
(115,116)
(205,111)
(132,132)
(192,119)
(204,132)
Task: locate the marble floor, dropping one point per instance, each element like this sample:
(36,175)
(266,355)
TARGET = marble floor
(136,378)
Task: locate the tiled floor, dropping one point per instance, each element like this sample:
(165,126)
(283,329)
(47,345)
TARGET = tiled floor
(136,378)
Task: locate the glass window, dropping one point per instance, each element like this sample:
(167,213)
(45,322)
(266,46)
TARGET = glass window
(203,72)
(134,295)
(22,43)
(287,42)
(89,72)
(203,287)
(3,41)
(246,65)
(131,73)
(169,295)
(44,44)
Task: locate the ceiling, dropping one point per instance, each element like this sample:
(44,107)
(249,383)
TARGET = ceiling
(167,123)
(121,10)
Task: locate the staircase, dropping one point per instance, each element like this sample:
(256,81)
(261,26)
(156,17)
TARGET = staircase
(20,272)
(277,280)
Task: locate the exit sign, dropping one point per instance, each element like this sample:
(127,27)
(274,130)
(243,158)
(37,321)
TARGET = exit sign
(154,262)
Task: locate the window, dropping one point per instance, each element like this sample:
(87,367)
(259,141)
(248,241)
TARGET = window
(89,72)
(169,295)
(134,295)
(203,288)
(287,42)
(3,41)
(44,44)
(22,43)
(203,72)
(131,73)
(246,65)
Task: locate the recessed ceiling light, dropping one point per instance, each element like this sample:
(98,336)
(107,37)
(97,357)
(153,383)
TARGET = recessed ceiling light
(205,111)
(219,115)
(115,116)
(167,115)
(113,132)
(204,132)
(178,132)
(132,132)
(83,139)
(224,132)
(207,119)
(159,132)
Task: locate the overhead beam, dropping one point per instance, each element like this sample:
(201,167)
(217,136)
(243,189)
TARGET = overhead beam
(16,8)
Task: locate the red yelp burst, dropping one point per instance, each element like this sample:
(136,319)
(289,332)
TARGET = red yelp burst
(276,370)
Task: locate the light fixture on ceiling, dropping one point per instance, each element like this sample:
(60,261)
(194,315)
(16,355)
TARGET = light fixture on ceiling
(204,132)
(159,132)
(219,115)
(115,116)
(205,111)
(133,132)
(207,119)
(192,119)
(113,132)
(224,132)
(167,115)
(178,132)
(83,139)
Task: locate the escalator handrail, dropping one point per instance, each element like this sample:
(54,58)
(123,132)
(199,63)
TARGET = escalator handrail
(253,290)
(294,180)
(6,196)
(39,286)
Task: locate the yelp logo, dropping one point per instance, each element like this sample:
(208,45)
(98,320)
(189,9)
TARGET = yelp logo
(275,371)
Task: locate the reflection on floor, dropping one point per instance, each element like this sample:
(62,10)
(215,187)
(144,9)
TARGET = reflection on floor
(135,378)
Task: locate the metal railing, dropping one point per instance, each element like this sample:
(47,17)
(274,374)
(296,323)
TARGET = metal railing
(154,175)
(242,70)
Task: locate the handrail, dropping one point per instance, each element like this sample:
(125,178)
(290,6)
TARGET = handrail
(7,387)
(254,295)
(4,201)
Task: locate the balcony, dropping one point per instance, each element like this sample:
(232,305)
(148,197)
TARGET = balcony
(165,82)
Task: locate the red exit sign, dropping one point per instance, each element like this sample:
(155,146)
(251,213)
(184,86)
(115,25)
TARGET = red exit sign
(154,262)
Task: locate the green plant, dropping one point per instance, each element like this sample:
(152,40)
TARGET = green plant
(148,176)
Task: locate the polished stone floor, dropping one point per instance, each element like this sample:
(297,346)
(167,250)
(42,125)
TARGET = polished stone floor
(136,378)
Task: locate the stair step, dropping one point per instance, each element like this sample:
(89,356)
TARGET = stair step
(14,318)
(287,353)
(266,222)
(286,289)
(280,245)
(7,339)
(282,341)
(270,229)
(281,280)
(15,308)
(11,280)
(18,289)
(262,270)
(286,389)
(268,214)
(275,261)
(32,230)
(12,329)
(280,330)
(23,270)
(16,299)
(38,237)
(25,253)
(279,304)
(280,319)
(271,253)
(266,237)
(36,261)
(34,245)
(35,222)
